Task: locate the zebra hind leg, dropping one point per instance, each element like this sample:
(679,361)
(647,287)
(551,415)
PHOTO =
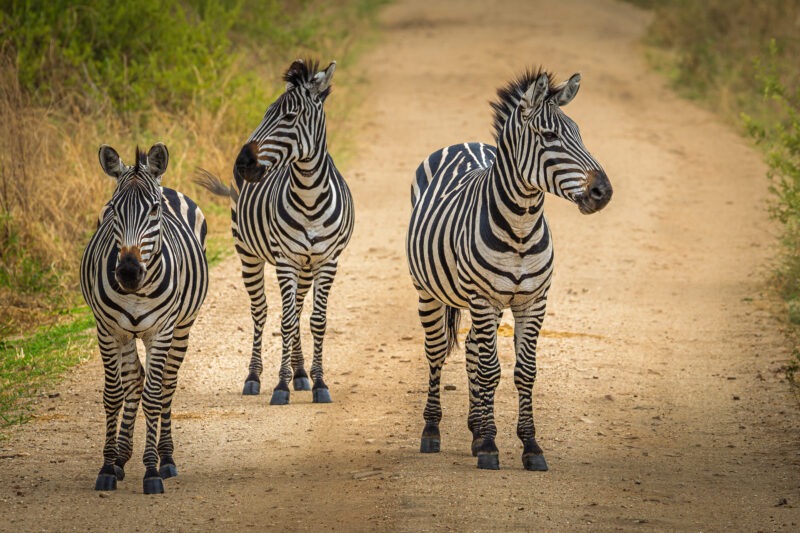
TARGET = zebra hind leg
(253,276)
(475,409)
(432,316)
(323,281)
(300,379)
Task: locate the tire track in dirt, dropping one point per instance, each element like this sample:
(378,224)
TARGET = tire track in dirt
(659,404)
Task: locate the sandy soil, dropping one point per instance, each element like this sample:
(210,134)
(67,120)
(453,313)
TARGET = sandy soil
(660,402)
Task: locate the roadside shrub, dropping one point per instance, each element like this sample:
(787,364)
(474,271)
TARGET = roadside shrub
(780,136)
(194,74)
(740,58)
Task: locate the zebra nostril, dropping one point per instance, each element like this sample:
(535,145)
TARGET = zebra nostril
(596,193)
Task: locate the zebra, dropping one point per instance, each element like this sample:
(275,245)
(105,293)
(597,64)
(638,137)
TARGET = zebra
(478,240)
(144,275)
(292,208)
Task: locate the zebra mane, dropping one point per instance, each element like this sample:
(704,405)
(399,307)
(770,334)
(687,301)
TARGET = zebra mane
(508,97)
(141,161)
(302,72)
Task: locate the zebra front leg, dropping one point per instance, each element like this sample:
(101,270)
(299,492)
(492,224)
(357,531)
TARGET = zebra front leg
(152,395)
(177,351)
(290,330)
(485,319)
(113,394)
(132,377)
(300,379)
(527,324)
(432,317)
(323,281)
(253,276)
(475,410)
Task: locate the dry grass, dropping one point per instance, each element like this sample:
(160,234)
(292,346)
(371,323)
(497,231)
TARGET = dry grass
(51,186)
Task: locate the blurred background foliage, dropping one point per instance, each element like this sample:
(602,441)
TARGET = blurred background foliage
(194,74)
(74,74)
(741,58)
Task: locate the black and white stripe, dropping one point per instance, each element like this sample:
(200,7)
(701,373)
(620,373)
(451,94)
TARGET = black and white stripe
(478,240)
(290,207)
(144,275)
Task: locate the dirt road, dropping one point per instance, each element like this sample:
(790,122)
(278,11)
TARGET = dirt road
(659,403)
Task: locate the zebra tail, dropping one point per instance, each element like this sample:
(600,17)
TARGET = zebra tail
(214,184)
(452,320)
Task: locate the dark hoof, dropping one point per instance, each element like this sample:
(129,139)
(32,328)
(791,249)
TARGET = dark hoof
(534,462)
(321,396)
(476,444)
(429,444)
(488,461)
(119,472)
(279,397)
(251,388)
(302,383)
(153,485)
(167,471)
(106,482)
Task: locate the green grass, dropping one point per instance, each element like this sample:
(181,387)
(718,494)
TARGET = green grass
(32,364)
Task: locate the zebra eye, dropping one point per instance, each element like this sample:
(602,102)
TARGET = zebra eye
(154,210)
(549,136)
(290,116)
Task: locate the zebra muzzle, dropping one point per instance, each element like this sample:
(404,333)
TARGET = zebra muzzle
(247,166)
(130,271)
(597,194)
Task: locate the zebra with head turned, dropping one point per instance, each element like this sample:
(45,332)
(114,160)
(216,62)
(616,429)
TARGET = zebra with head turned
(144,275)
(478,240)
(290,207)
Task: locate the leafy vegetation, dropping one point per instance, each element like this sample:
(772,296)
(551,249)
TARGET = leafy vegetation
(739,57)
(74,74)
(34,362)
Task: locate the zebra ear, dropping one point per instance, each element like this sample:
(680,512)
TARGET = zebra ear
(157,159)
(321,82)
(536,93)
(110,161)
(564,93)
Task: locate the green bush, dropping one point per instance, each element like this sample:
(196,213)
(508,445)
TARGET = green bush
(780,136)
(196,74)
(132,55)
(714,47)
(740,58)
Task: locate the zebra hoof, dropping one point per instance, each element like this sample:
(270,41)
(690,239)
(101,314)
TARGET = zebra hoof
(251,388)
(106,482)
(302,383)
(119,472)
(429,445)
(321,396)
(279,397)
(153,485)
(167,471)
(534,462)
(488,461)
